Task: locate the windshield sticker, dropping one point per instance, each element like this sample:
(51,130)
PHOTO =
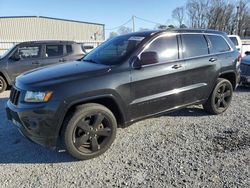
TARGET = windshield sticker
(136,38)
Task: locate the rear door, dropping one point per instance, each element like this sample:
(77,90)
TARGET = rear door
(201,67)
(30,58)
(220,47)
(155,88)
(53,54)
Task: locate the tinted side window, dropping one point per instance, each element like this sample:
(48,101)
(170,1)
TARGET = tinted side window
(218,44)
(166,48)
(27,52)
(194,45)
(54,50)
(234,40)
(69,49)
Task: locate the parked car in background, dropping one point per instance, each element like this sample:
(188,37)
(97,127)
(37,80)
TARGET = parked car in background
(126,79)
(87,48)
(245,70)
(31,55)
(237,42)
(245,47)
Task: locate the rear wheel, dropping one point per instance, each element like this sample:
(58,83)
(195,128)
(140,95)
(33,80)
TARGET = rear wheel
(3,84)
(221,97)
(90,131)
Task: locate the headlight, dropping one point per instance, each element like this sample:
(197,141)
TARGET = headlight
(33,96)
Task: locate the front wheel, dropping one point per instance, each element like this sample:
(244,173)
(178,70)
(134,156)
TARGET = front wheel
(90,131)
(220,98)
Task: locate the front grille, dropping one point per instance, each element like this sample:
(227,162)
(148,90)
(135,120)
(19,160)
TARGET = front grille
(14,96)
(245,69)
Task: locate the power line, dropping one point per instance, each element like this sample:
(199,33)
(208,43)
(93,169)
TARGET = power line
(120,25)
(133,21)
(149,21)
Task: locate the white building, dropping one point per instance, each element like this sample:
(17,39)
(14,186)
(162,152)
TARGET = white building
(31,28)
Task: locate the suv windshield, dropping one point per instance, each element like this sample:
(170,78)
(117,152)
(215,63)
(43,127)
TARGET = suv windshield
(114,51)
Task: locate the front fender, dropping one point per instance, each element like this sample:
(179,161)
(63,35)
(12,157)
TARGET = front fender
(67,106)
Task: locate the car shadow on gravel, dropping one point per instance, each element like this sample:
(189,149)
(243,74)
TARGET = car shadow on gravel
(197,110)
(189,112)
(16,149)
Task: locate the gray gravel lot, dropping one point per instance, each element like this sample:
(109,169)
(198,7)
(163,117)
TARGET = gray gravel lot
(187,148)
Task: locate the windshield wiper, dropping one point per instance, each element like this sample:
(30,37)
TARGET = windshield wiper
(90,60)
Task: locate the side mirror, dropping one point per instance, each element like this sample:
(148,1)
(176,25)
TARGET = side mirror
(148,58)
(247,53)
(16,57)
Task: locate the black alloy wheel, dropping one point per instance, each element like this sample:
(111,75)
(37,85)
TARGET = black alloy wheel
(90,131)
(221,97)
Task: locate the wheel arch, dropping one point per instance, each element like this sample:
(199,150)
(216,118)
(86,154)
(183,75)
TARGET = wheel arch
(231,77)
(6,78)
(108,101)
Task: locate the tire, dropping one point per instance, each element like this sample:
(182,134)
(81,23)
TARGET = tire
(90,131)
(221,97)
(3,84)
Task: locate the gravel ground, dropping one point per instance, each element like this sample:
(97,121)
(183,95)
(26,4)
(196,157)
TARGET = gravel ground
(187,148)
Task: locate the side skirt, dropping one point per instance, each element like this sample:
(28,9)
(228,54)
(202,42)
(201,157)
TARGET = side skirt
(163,112)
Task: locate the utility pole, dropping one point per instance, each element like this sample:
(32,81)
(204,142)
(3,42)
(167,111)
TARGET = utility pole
(133,20)
(237,21)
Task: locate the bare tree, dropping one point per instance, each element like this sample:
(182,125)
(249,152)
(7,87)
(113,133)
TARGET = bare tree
(124,30)
(112,35)
(197,12)
(221,15)
(178,14)
(216,14)
(244,17)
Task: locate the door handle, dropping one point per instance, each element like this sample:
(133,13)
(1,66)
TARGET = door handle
(177,66)
(35,63)
(212,59)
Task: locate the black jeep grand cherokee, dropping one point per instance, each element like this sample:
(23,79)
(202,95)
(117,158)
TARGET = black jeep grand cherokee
(126,79)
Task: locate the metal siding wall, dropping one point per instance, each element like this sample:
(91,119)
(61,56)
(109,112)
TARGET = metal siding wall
(15,30)
(37,28)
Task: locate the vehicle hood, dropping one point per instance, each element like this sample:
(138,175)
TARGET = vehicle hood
(61,73)
(246,60)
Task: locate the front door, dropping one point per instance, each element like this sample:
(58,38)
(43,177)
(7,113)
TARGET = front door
(54,53)
(157,87)
(24,58)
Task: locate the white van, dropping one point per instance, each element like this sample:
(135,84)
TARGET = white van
(237,42)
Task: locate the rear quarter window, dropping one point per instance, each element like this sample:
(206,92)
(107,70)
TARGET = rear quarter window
(69,49)
(194,45)
(234,40)
(218,44)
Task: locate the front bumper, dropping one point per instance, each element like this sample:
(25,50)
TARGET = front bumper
(38,123)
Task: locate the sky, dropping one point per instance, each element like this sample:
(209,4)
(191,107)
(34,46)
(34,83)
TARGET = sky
(112,13)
